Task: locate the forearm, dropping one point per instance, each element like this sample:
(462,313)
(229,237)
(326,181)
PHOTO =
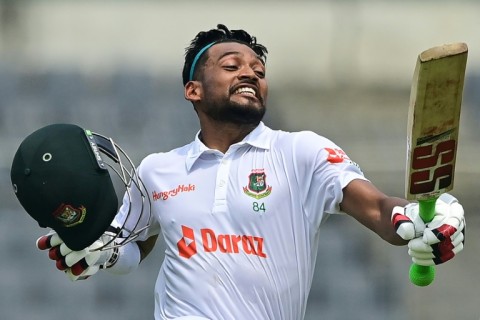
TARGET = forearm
(126,259)
(146,246)
(372,208)
(130,255)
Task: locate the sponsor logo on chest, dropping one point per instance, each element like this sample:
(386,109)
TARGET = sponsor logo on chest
(223,243)
(165,195)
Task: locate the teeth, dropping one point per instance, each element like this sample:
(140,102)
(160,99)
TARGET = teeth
(245,90)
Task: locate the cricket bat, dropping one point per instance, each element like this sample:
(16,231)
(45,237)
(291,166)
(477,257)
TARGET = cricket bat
(432,139)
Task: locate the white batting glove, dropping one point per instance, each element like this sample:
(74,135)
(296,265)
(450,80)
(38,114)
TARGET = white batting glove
(78,265)
(437,241)
(407,221)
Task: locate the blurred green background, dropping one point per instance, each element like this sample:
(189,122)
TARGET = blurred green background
(340,68)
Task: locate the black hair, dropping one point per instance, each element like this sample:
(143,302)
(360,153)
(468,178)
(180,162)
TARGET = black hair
(221,34)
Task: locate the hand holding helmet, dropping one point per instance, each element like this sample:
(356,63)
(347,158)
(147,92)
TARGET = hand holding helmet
(79,265)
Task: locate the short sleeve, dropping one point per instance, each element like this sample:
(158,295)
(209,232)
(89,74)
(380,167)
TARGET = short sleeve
(323,171)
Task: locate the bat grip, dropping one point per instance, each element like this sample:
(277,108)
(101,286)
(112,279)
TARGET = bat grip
(423,275)
(427,209)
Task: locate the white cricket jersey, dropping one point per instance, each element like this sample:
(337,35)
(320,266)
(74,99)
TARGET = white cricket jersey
(242,228)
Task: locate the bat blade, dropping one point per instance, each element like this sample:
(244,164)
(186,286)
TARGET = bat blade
(432,139)
(433,120)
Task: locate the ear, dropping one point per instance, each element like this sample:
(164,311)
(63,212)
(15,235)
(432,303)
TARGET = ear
(193,91)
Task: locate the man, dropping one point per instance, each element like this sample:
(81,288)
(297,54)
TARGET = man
(241,206)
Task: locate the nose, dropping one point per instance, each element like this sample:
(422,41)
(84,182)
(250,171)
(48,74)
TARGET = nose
(247,73)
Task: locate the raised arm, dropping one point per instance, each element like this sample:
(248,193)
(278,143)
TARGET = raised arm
(372,208)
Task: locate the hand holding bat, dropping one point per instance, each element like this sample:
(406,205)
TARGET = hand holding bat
(435,242)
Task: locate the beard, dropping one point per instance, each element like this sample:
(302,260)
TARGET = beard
(236,113)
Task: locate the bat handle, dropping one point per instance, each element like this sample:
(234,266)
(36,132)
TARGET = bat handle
(423,275)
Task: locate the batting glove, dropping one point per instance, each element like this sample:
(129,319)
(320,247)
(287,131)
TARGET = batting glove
(437,241)
(78,265)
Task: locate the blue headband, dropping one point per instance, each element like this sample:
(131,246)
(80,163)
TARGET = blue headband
(195,60)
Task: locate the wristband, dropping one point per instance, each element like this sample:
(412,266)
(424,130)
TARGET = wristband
(124,259)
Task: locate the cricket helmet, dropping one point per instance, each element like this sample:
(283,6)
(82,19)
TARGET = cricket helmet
(61,176)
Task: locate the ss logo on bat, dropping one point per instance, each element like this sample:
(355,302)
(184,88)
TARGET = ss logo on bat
(433,165)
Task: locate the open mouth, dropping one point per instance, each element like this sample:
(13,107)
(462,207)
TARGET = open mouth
(246,90)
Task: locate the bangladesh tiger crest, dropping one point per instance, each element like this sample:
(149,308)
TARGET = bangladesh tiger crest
(69,215)
(257,185)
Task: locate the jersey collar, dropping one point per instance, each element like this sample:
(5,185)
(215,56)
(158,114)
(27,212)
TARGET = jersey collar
(260,138)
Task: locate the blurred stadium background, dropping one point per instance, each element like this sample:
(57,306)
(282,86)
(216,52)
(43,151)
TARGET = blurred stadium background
(339,68)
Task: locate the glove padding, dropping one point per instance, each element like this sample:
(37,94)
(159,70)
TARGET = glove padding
(434,242)
(78,265)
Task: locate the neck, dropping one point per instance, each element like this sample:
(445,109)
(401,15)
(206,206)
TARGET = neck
(221,136)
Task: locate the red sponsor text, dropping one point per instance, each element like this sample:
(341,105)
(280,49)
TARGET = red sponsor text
(224,243)
(164,195)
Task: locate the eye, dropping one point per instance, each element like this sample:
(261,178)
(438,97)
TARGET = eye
(230,67)
(260,73)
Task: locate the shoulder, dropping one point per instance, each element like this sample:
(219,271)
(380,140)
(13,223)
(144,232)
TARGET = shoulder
(307,149)
(301,141)
(163,158)
(310,137)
